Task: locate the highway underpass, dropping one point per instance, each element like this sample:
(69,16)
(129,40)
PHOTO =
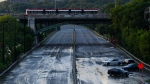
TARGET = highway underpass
(52,62)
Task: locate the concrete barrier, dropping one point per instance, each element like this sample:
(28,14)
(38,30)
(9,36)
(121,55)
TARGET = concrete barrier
(74,59)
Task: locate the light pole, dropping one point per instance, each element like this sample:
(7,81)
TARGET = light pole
(15,57)
(3,47)
(3,53)
(24,34)
(128,24)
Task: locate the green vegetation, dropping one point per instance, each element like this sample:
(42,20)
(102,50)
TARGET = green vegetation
(20,7)
(130,28)
(43,35)
(148,81)
(128,25)
(8,24)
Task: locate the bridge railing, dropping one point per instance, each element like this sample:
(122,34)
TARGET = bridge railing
(101,15)
(72,16)
(104,15)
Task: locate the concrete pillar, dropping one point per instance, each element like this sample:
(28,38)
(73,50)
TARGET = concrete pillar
(31,24)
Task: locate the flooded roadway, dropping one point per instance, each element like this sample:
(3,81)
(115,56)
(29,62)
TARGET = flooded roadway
(51,64)
(40,67)
(89,59)
(45,64)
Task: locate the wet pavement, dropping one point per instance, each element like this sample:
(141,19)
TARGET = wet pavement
(89,62)
(45,64)
(43,68)
(52,64)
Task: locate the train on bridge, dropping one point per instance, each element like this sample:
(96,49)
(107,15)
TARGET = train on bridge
(62,11)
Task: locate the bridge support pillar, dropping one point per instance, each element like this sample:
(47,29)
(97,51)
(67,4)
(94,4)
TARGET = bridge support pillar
(31,24)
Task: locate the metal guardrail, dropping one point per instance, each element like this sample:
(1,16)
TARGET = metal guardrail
(49,27)
(146,66)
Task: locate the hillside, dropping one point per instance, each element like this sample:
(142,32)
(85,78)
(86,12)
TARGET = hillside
(20,7)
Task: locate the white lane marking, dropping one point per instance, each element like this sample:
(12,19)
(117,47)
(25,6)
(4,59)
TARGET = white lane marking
(70,70)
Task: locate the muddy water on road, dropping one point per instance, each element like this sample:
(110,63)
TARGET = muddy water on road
(91,71)
(89,59)
(42,67)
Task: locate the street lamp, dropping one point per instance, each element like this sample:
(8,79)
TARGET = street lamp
(24,34)
(15,57)
(128,24)
(3,53)
(15,42)
(3,47)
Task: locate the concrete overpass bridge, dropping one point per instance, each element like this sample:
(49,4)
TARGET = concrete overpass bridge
(32,20)
(76,19)
(48,20)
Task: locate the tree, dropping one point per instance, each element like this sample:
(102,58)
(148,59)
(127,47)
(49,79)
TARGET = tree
(13,39)
(21,7)
(131,29)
